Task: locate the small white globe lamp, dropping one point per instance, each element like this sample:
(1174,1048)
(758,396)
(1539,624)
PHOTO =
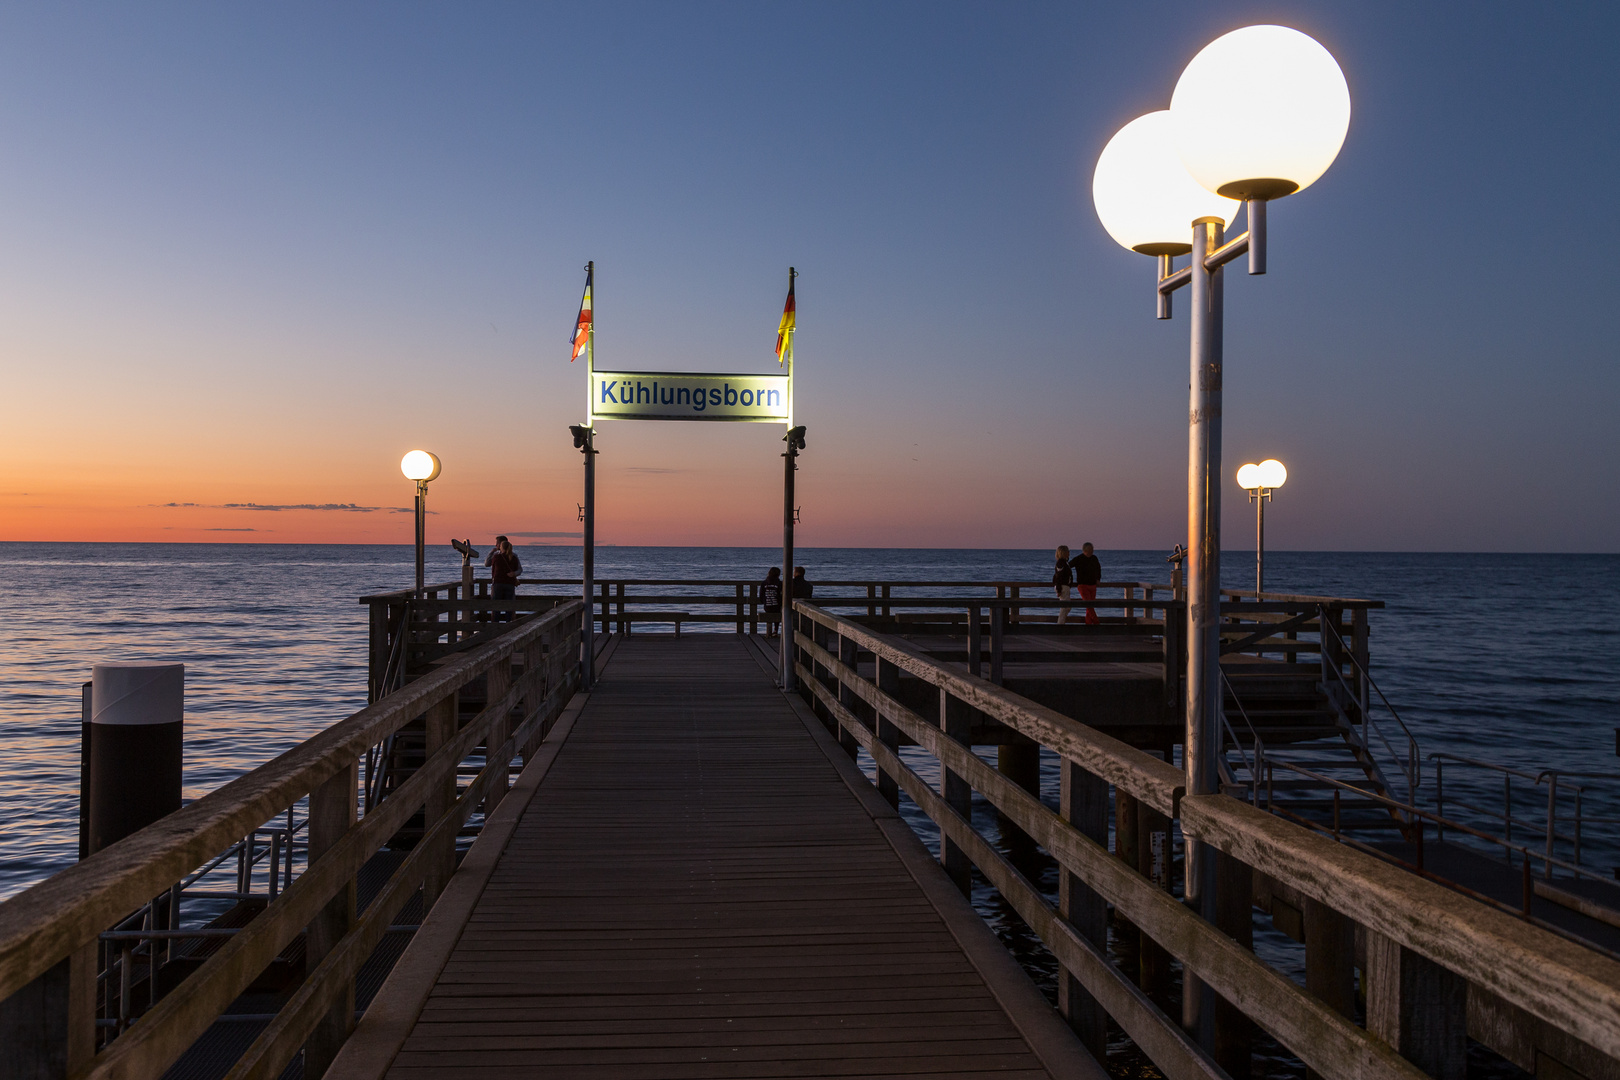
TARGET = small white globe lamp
(1261,482)
(422,467)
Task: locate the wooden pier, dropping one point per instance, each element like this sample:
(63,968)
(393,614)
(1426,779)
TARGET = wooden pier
(702,885)
(687,872)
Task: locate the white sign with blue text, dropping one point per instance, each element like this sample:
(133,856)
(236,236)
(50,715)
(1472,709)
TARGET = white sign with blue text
(669,395)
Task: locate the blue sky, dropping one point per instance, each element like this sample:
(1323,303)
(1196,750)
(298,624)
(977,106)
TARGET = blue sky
(252,254)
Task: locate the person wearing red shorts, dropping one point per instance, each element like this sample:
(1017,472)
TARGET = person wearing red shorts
(1087,573)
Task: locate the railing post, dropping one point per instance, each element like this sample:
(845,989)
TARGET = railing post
(956,721)
(975,643)
(998,634)
(331,814)
(619,593)
(48,1028)
(887,611)
(753,608)
(1084,804)
(888,682)
(848,655)
(1418,1007)
(441,729)
(498,681)
(1151,833)
(1234,915)
(871,609)
(1330,960)
(739,608)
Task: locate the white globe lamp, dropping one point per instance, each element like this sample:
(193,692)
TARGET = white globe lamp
(1260,113)
(1145,197)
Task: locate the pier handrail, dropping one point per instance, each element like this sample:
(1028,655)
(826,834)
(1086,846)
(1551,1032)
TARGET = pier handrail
(56,923)
(1571,988)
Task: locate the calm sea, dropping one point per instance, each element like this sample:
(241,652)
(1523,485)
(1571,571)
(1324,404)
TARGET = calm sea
(1510,657)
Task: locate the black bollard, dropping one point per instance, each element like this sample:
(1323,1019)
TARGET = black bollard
(135,748)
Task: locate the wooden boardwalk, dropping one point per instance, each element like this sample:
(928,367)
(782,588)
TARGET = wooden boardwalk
(702,886)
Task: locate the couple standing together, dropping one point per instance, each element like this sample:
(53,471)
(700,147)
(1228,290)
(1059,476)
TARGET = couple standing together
(1083,571)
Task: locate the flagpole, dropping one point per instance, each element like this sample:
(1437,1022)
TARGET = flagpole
(587,630)
(790,460)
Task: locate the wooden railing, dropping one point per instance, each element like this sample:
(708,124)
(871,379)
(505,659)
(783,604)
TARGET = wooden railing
(1435,965)
(49,935)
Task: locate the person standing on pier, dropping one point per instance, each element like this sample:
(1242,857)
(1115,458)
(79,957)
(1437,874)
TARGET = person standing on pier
(1061,577)
(801,588)
(770,595)
(1087,573)
(504,567)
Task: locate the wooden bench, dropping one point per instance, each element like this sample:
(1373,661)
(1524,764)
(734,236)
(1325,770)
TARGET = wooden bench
(677,617)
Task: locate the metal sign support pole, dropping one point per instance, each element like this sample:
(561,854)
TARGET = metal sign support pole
(789,459)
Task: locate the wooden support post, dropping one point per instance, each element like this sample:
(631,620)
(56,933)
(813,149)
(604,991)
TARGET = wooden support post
(1019,760)
(1418,1007)
(871,609)
(739,608)
(48,1028)
(956,721)
(888,681)
(975,665)
(619,593)
(499,681)
(848,655)
(331,814)
(441,728)
(998,635)
(1084,804)
(536,658)
(1153,854)
(753,609)
(1234,915)
(1330,960)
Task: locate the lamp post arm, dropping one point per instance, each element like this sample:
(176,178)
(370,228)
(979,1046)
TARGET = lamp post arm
(1169,283)
(1227,252)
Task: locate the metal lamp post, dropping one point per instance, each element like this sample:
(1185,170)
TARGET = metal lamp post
(422,467)
(1258,114)
(1261,482)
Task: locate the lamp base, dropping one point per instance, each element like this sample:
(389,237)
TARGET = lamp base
(1261,188)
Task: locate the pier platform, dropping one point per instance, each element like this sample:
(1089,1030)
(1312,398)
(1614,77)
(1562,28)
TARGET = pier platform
(698,882)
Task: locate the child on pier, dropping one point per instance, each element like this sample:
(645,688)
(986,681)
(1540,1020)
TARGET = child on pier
(770,595)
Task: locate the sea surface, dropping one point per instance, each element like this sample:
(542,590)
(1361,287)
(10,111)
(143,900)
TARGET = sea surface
(1510,658)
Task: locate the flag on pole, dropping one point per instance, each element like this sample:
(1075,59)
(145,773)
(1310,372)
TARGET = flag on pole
(784,330)
(582,324)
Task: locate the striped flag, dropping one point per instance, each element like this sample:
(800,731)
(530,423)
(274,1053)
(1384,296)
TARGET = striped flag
(582,324)
(784,330)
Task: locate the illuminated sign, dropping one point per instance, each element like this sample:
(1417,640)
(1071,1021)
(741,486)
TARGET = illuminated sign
(671,395)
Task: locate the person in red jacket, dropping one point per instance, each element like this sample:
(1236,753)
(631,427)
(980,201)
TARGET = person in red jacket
(1087,573)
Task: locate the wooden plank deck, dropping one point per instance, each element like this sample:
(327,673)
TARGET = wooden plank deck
(700,887)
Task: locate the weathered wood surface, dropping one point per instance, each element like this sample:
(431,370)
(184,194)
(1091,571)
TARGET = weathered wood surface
(695,892)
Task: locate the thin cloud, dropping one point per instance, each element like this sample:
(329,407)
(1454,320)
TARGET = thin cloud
(344,508)
(217,529)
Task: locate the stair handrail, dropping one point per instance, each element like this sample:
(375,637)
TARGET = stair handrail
(1257,767)
(1414,762)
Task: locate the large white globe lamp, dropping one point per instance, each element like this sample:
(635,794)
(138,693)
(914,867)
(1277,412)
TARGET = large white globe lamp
(1145,197)
(1260,113)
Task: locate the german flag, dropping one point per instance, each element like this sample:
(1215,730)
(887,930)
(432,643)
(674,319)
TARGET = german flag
(784,330)
(582,324)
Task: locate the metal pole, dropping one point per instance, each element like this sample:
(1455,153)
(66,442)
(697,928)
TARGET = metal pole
(1260,540)
(587,630)
(789,466)
(421,539)
(1200,748)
